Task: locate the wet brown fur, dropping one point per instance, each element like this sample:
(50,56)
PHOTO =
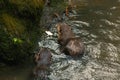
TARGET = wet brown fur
(43,61)
(66,38)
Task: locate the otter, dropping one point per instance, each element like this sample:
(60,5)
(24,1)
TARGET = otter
(74,47)
(43,61)
(69,43)
(64,33)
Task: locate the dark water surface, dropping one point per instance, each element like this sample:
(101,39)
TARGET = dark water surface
(98,25)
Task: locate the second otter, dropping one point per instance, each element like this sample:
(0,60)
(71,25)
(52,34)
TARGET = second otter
(43,61)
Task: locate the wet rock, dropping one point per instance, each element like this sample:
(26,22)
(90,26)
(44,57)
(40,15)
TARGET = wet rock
(47,2)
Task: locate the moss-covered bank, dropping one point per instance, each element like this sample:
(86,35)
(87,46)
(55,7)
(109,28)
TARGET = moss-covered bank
(19,29)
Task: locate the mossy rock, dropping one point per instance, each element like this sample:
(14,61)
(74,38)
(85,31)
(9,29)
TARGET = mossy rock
(28,3)
(59,6)
(13,25)
(18,38)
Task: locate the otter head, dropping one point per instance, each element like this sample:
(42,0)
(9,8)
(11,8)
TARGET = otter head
(63,28)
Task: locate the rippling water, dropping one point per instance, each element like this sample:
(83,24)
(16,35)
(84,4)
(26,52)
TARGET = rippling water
(98,24)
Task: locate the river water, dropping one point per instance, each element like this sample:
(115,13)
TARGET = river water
(97,22)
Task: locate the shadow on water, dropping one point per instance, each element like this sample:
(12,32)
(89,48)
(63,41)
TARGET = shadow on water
(97,23)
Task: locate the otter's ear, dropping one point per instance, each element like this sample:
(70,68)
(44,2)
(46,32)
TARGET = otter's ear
(58,28)
(37,57)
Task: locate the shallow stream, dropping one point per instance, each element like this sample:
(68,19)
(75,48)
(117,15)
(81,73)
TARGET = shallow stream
(97,22)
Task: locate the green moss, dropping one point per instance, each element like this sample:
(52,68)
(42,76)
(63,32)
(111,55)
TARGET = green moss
(13,25)
(23,4)
(59,6)
(19,30)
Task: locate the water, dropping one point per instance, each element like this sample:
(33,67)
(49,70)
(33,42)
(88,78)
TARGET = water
(97,23)
(23,72)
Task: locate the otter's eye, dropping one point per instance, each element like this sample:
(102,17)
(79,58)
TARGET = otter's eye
(59,30)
